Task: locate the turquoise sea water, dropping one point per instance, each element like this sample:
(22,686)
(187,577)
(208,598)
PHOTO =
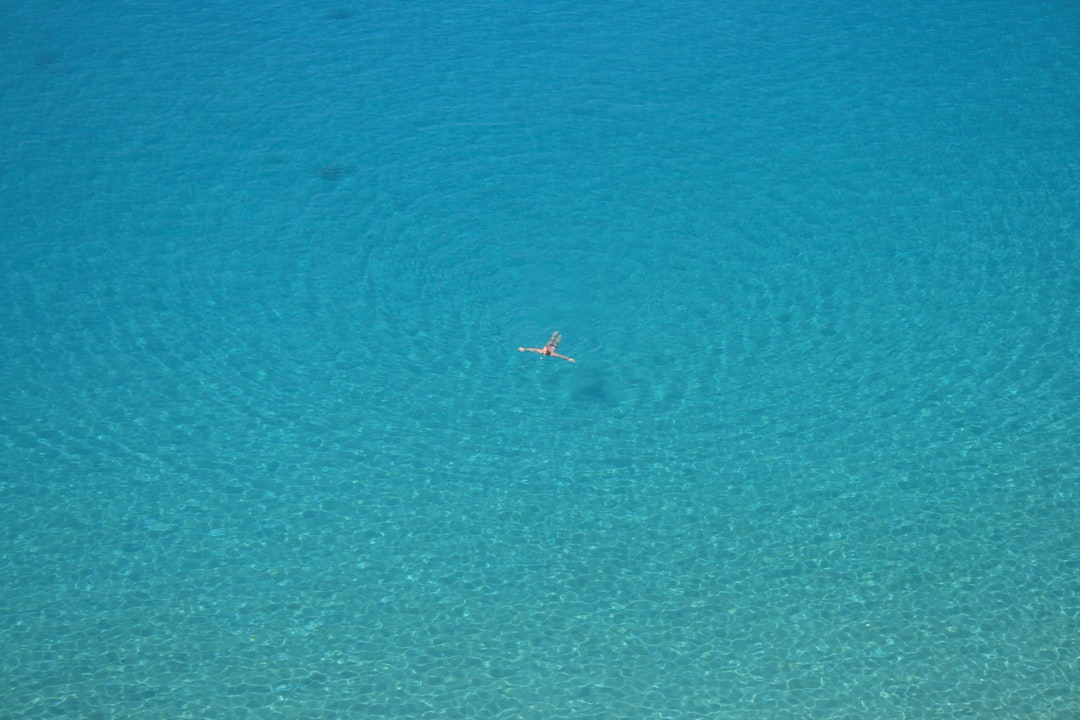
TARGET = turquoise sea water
(268,449)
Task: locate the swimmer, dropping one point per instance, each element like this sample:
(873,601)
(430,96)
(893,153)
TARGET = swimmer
(549,349)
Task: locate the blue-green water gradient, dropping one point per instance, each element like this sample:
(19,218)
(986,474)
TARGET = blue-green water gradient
(268,448)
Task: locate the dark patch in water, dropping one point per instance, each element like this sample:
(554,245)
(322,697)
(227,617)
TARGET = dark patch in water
(340,13)
(335,172)
(595,389)
(45,58)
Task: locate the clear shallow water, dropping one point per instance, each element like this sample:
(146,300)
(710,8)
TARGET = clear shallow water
(268,450)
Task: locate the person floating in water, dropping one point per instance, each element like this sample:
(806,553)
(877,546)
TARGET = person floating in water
(549,349)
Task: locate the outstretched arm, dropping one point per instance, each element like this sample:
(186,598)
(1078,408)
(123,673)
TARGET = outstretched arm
(550,348)
(545,351)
